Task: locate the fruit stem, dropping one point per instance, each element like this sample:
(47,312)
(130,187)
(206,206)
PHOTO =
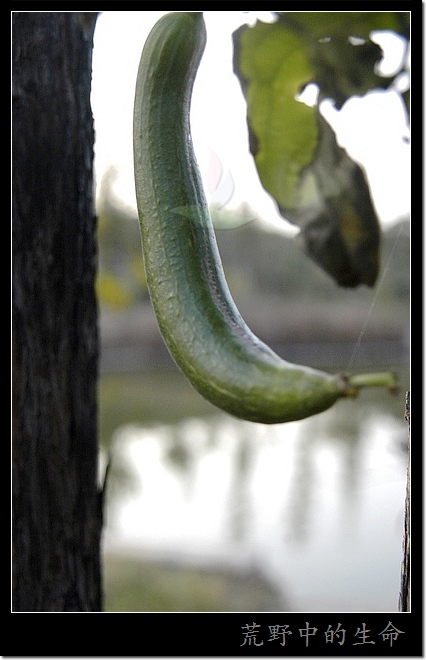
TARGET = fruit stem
(380,379)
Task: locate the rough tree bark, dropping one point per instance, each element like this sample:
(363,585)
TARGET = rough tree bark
(56,508)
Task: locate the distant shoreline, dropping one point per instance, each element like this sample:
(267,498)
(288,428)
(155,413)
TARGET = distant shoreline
(129,358)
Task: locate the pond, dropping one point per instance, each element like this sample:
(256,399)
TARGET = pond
(314,507)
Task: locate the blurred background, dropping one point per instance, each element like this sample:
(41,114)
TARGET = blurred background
(209,513)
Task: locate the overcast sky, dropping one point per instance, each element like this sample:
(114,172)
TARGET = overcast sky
(371,128)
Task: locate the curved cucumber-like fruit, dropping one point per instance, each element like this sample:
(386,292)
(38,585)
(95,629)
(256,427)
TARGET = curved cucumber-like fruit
(195,312)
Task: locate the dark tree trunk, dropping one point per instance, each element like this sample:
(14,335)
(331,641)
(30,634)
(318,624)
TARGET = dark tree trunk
(56,501)
(405,589)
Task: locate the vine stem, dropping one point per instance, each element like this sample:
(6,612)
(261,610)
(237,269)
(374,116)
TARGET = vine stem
(379,379)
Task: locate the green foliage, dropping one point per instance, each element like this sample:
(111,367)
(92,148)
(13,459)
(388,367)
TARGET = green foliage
(112,292)
(341,51)
(273,68)
(314,182)
(147,586)
(121,277)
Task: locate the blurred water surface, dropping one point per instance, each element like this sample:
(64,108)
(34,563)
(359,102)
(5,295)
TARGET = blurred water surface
(314,507)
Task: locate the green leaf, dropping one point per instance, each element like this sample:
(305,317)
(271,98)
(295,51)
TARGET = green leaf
(273,68)
(314,182)
(339,226)
(340,49)
(316,25)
